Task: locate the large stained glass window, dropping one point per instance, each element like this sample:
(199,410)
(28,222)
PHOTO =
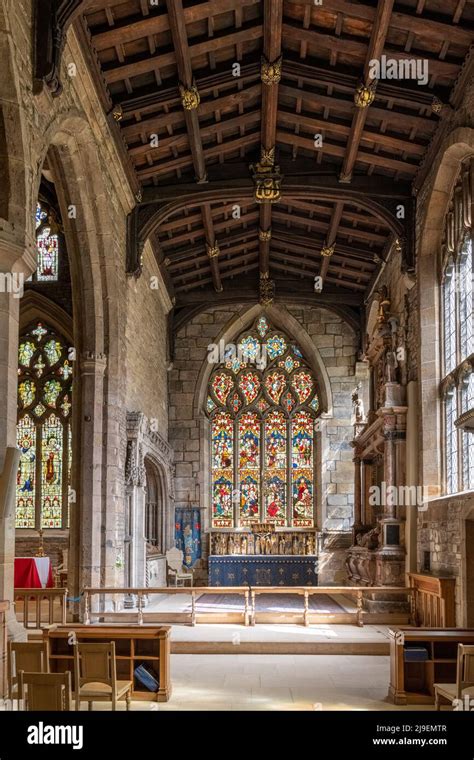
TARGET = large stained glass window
(262,403)
(44,429)
(47,245)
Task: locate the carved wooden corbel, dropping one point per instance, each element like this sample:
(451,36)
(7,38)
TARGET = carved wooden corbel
(51,22)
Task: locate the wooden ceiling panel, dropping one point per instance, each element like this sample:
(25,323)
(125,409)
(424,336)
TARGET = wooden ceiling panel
(144,52)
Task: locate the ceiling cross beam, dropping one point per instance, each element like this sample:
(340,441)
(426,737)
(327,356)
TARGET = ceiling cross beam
(188,91)
(376,45)
(190,99)
(328,248)
(272,31)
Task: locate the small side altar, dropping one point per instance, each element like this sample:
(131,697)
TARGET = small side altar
(263,556)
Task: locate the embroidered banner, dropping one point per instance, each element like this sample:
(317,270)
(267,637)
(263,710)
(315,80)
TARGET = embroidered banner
(188,534)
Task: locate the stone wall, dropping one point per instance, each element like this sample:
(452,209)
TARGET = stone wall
(146,366)
(189,432)
(28,545)
(441,528)
(442,533)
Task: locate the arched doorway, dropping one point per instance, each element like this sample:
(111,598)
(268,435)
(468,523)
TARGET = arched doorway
(154,529)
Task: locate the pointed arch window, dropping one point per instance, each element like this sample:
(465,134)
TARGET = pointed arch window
(457,386)
(44,429)
(262,403)
(47,244)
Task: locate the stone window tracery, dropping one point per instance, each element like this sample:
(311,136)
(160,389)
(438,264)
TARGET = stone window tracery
(262,403)
(43,429)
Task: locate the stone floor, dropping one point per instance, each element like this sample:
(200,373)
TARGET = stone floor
(276,682)
(271,632)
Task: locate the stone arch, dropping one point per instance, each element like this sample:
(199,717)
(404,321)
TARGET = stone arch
(281,318)
(155,503)
(241,321)
(77,168)
(37,306)
(458,145)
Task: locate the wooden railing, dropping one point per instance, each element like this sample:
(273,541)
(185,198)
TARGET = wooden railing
(249,614)
(432,601)
(49,605)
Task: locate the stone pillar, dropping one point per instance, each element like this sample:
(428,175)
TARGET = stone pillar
(412,475)
(87,527)
(135,479)
(17,262)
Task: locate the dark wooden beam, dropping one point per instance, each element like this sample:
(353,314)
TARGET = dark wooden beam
(227,146)
(185,73)
(114,73)
(364,157)
(298,271)
(349,47)
(371,139)
(310,266)
(196,234)
(225,104)
(294,291)
(129,31)
(311,246)
(199,255)
(423,27)
(317,101)
(272,26)
(225,275)
(381,24)
(316,224)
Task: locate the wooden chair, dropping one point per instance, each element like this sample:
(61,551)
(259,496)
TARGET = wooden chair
(47,692)
(464,685)
(61,570)
(95,673)
(30,656)
(174,559)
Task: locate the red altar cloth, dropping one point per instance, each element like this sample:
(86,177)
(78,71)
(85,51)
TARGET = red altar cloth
(27,575)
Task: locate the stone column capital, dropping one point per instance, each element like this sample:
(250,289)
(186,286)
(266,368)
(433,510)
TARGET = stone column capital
(93,363)
(17,251)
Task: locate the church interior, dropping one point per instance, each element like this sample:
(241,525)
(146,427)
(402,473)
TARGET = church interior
(236,355)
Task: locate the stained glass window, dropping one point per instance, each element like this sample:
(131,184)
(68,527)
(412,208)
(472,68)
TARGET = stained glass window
(26,477)
(262,433)
(249,384)
(222,456)
(275,467)
(457,386)
(52,472)
(44,429)
(302,468)
(249,467)
(47,246)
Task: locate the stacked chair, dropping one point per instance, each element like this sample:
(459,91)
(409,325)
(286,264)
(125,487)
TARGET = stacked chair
(34,688)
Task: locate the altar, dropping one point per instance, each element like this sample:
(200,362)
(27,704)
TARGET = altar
(261,570)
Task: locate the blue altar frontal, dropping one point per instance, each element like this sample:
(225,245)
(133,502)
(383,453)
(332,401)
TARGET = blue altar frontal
(262,570)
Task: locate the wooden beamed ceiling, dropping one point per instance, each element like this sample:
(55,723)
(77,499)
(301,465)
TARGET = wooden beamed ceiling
(151,58)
